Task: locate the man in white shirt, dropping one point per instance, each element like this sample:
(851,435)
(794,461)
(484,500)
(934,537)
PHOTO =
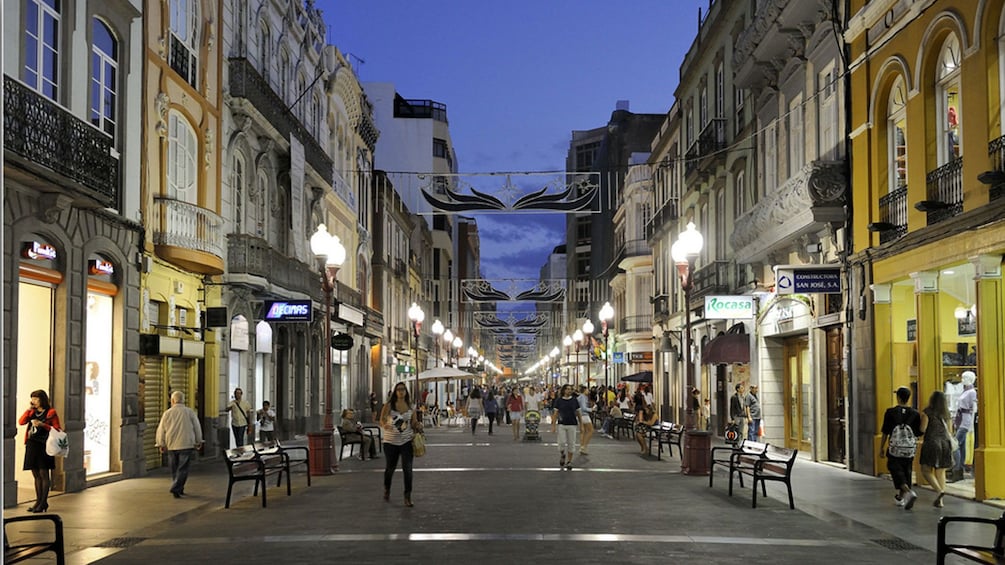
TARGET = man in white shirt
(267,422)
(179,435)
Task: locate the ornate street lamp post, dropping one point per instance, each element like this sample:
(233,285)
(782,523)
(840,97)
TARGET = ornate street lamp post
(553,354)
(683,252)
(416,315)
(437,329)
(567,342)
(577,336)
(605,315)
(448,337)
(328,250)
(588,334)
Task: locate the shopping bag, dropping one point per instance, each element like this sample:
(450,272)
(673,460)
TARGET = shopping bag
(57,445)
(419,444)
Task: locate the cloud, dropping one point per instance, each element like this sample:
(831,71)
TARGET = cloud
(517,245)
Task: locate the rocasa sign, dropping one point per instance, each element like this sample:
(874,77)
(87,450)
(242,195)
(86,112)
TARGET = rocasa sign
(287,311)
(729,307)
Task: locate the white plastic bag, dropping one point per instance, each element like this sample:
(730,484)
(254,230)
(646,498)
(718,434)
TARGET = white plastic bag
(58,445)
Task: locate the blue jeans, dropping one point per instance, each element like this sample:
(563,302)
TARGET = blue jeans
(753,428)
(239,434)
(179,460)
(961,457)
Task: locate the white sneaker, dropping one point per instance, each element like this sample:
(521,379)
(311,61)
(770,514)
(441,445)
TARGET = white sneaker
(909,499)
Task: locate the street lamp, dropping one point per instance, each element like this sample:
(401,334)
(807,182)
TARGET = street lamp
(437,329)
(567,342)
(577,336)
(328,250)
(448,336)
(683,252)
(458,344)
(606,314)
(588,334)
(416,314)
(553,354)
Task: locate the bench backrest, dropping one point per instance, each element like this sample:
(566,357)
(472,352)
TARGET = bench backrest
(752,447)
(1000,536)
(781,459)
(243,454)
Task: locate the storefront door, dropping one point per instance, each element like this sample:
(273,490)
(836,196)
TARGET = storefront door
(836,395)
(34,366)
(798,394)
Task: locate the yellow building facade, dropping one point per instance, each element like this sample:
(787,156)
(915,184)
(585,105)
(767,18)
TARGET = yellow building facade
(927,154)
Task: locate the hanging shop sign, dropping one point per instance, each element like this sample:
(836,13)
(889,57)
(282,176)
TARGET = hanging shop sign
(640,356)
(350,315)
(38,251)
(729,307)
(824,280)
(287,311)
(342,342)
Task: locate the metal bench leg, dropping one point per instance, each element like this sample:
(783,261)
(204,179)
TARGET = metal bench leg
(230,488)
(792,504)
(263,489)
(754,488)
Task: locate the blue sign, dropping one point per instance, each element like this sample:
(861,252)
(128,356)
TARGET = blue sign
(288,311)
(618,357)
(826,280)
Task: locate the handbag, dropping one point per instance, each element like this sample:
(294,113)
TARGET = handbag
(952,438)
(58,445)
(419,444)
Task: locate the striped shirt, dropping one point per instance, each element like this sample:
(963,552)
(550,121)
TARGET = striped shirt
(395,437)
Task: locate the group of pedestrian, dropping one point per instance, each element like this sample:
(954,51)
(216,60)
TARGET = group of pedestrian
(745,411)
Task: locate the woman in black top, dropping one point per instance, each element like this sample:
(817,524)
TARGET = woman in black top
(568,417)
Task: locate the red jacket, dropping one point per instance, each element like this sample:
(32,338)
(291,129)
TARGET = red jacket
(51,421)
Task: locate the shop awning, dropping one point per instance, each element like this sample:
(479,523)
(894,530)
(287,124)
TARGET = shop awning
(643,377)
(727,348)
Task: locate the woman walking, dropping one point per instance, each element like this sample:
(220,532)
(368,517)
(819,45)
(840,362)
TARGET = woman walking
(491,407)
(474,408)
(568,417)
(515,406)
(586,405)
(399,422)
(937,450)
(40,417)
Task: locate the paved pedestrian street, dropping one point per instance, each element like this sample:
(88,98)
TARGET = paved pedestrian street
(488,499)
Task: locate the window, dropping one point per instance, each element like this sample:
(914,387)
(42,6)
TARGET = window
(41,59)
(182,173)
(827,114)
(104,73)
(262,211)
(740,197)
(797,151)
(689,122)
(720,225)
(439,148)
(738,104)
(315,115)
(237,183)
(949,115)
(703,107)
(284,74)
(300,110)
(264,50)
(184,39)
(897,133)
(720,92)
(770,145)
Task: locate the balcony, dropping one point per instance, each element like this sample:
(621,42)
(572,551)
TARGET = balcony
(636,324)
(188,236)
(944,193)
(708,280)
(348,295)
(633,249)
(996,150)
(246,84)
(892,224)
(402,338)
(45,138)
(250,255)
(709,145)
(374,322)
(664,218)
(399,269)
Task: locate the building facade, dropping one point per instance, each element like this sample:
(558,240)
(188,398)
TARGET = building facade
(73,98)
(928,227)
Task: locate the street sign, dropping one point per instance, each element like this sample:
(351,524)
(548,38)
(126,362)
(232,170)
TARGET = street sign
(824,280)
(618,357)
(729,307)
(287,311)
(342,342)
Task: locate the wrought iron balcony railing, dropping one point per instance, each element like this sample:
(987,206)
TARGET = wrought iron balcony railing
(348,295)
(180,224)
(892,223)
(710,279)
(996,150)
(47,135)
(247,83)
(944,198)
(639,323)
(251,255)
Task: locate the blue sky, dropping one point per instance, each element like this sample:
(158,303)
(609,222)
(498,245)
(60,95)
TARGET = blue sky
(518,76)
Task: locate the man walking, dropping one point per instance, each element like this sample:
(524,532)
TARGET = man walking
(901,427)
(179,435)
(754,413)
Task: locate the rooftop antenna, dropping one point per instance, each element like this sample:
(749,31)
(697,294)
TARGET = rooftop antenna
(359,61)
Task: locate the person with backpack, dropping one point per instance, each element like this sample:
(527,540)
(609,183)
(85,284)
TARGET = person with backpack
(901,429)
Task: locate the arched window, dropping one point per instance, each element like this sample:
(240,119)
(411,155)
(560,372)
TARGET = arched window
(896,116)
(740,197)
(703,107)
(264,50)
(41,61)
(284,74)
(720,92)
(797,149)
(949,116)
(262,210)
(300,110)
(239,191)
(314,119)
(184,39)
(104,77)
(182,170)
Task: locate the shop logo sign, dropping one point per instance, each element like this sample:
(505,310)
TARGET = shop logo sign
(288,311)
(729,307)
(823,280)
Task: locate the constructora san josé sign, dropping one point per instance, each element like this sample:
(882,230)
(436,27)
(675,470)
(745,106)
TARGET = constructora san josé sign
(825,280)
(729,307)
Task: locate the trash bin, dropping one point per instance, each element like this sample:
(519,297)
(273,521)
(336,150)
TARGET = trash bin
(321,453)
(697,450)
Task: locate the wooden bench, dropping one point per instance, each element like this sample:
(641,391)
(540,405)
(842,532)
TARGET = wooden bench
(289,455)
(723,455)
(993,554)
(15,553)
(775,464)
(625,423)
(668,434)
(247,464)
(347,441)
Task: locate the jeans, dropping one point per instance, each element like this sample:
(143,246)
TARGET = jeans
(961,456)
(492,418)
(179,460)
(753,429)
(239,434)
(391,454)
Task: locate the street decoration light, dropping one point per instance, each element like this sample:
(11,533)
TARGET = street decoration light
(683,252)
(606,314)
(416,315)
(330,254)
(553,354)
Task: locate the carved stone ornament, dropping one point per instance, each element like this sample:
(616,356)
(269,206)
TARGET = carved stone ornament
(161,103)
(208,151)
(827,183)
(242,122)
(210,34)
(51,205)
(162,47)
